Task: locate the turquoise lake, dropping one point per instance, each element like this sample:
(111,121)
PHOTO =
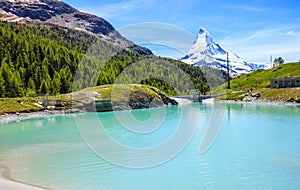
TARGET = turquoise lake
(257,147)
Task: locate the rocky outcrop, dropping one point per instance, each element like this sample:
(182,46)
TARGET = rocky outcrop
(126,99)
(40,10)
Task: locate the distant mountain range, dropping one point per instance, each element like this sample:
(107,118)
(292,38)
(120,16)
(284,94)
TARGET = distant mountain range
(205,52)
(59,13)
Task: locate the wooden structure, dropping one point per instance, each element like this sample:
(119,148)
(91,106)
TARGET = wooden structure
(288,82)
(99,106)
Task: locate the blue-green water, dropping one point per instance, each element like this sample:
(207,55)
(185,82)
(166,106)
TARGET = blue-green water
(257,148)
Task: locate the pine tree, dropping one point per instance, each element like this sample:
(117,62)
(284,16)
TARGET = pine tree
(31,88)
(2,87)
(43,88)
(65,80)
(55,84)
(7,77)
(18,85)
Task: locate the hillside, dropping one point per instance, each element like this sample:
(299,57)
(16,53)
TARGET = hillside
(56,12)
(259,82)
(33,57)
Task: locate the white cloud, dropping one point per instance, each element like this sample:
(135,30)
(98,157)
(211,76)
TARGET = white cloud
(248,8)
(159,33)
(291,33)
(273,34)
(258,46)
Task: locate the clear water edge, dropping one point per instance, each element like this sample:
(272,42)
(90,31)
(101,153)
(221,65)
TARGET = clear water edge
(257,146)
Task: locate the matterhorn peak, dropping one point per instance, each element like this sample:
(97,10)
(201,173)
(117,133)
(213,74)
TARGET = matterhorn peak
(202,43)
(204,36)
(205,52)
(203,31)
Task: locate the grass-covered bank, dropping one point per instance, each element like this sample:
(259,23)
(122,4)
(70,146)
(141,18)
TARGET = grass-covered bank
(257,83)
(14,105)
(131,96)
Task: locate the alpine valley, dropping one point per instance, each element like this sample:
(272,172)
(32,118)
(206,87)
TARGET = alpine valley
(47,47)
(206,53)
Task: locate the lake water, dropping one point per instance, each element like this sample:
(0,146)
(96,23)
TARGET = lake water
(256,148)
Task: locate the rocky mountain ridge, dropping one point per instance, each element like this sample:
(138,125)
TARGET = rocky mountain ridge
(61,14)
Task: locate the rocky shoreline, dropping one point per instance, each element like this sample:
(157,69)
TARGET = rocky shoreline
(4,118)
(260,102)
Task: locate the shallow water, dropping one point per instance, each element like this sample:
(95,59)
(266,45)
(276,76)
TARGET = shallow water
(257,148)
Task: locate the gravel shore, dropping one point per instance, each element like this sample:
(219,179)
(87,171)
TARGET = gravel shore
(259,102)
(4,118)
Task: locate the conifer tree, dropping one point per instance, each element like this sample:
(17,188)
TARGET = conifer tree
(55,84)
(2,87)
(31,89)
(17,85)
(43,88)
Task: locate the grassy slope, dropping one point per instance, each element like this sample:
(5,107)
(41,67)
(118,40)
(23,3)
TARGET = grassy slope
(111,92)
(259,82)
(106,92)
(13,105)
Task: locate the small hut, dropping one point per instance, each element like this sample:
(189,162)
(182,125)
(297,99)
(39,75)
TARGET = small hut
(288,82)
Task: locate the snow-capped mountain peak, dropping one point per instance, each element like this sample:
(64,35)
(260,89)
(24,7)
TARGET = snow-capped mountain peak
(205,45)
(202,41)
(205,52)
(204,35)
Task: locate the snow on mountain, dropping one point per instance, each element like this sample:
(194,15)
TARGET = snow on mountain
(205,52)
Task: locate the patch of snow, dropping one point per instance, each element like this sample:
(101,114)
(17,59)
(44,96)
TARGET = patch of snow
(17,19)
(79,29)
(4,12)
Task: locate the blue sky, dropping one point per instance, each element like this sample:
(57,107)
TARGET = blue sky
(253,29)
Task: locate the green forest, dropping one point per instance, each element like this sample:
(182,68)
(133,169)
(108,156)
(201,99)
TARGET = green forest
(53,60)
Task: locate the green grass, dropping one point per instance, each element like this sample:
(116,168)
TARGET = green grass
(116,92)
(13,105)
(282,94)
(104,92)
(259,81)
(260,78)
